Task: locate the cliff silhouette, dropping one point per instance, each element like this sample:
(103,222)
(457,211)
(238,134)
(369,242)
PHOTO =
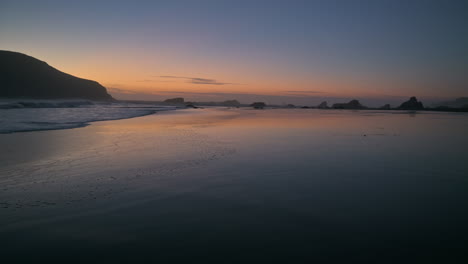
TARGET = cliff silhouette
(24,76)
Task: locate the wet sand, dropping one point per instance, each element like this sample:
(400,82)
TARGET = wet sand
(239,185)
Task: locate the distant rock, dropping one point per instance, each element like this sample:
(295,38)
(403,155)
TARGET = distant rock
(231,103)
(305,107)
(323,105)
(191,106)
(290,106)
(27,77)
(411,104)
(34,103)
(258,105)
(353,104)
(460,102)
(385,107)
(178,100)
(443,108)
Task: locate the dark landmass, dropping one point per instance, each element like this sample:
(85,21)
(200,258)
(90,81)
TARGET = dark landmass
(178,100)
(385,107)
(461,102)
(231,103)
(192,105)
(411,104)
(353,104)
(22,76)
(448,109)
(323,105)
(258,105)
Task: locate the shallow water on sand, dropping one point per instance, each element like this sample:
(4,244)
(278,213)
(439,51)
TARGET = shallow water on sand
(233,185)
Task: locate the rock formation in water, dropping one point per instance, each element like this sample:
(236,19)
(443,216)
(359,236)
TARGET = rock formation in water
(258,105)
(323,105)
(178,100)
(385,107)
(190,105)
(461,102)
(231,103)
(411,104)
(27,77)
(353,104)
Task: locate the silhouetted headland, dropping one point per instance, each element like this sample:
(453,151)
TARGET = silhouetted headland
(234,103)
(27,77)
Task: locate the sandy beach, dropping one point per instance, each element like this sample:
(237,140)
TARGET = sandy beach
(239,185)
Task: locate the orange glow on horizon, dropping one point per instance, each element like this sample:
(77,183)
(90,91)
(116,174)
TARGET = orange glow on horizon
(137,72)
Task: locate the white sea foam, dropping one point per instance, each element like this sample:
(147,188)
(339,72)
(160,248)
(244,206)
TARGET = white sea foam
(28,115)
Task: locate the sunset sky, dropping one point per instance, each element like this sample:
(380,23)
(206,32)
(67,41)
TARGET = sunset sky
(294,51)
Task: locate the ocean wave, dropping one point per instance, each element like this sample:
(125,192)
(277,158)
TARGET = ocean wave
(64,115)
(44,104)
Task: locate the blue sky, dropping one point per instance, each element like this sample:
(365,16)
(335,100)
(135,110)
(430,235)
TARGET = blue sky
(394,48)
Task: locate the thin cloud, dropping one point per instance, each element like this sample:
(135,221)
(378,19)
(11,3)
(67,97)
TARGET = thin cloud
(198,80)
(122,91)
(153,81)
(304,92)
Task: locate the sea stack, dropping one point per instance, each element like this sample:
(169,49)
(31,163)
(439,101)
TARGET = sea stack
(258,105)
(385,107)
(353,104)
(323,105)
(178,100)
(411,104)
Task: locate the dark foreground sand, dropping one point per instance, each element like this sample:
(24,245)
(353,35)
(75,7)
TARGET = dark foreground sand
(238,185)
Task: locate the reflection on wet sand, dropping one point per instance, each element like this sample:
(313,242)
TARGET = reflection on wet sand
(263,184)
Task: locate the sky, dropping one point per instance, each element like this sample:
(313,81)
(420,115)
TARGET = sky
(280,51)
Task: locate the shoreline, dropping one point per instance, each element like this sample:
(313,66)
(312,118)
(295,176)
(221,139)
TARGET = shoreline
(79,124)
(73,125)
